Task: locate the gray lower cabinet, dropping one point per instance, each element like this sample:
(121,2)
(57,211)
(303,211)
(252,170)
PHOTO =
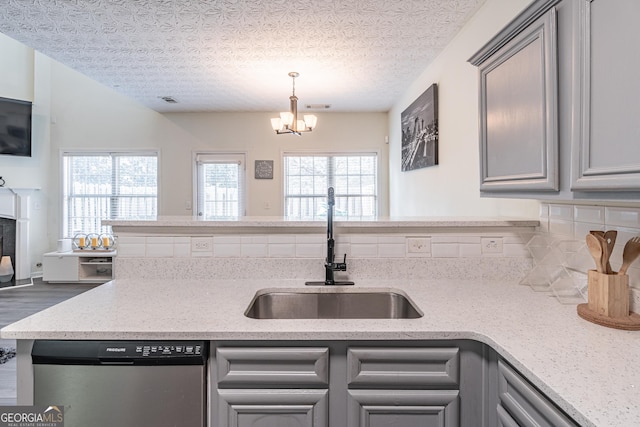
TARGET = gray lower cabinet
(404,408)
(403,386)
(504,419)
(273,408)
(521,404)
(384,367)
(271,387)
(373,384)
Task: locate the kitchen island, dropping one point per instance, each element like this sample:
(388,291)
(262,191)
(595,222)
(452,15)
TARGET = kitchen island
(587,370)
(187,279)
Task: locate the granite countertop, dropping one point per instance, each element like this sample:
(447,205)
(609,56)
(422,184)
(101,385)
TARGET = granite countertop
(590,371)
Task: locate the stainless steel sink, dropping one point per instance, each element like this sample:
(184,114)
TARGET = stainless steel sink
(332,303)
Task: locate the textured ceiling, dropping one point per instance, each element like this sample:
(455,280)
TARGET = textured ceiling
(234,55)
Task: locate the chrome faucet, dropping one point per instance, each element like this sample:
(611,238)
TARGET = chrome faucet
(330,266)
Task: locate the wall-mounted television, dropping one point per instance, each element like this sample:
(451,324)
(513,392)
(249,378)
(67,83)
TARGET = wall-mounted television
(15,127)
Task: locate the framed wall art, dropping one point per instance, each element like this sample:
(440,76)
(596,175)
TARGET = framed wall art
(420,131)
(264,169)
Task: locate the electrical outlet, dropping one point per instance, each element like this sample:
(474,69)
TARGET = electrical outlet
(201,244)
(491,245)
(417,245)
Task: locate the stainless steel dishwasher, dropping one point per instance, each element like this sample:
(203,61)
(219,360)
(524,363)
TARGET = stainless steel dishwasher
(123,383)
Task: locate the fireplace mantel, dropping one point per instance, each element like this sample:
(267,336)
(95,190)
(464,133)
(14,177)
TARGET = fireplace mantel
(14,204)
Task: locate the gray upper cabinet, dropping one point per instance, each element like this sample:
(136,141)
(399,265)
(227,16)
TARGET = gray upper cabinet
(606,143)
(559,103)
(518,111)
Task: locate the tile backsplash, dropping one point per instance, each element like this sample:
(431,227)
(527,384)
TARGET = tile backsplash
(575,221)
(498,253)
(508,244)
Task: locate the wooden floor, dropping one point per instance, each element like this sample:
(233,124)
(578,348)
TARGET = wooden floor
(18,303)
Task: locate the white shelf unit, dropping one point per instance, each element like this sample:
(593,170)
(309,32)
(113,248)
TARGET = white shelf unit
(78,266)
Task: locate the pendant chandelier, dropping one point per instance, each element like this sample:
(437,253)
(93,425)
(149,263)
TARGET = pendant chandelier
(288,121)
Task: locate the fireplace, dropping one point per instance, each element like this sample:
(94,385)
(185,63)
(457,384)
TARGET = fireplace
(8,238)
(14,219)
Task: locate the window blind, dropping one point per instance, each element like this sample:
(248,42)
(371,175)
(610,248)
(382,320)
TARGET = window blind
(99,186)
(354,177)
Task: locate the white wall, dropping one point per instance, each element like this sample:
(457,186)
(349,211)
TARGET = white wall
(251,133)
(16,69)
(452,187)
(88,115)
(24,75)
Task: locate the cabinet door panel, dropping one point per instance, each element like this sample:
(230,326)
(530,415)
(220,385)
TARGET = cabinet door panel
(518,112)
(504,419)
(403,367)
(272,408)
(606,139)
(272,366)
(58,268)
(403,408)
(526,405)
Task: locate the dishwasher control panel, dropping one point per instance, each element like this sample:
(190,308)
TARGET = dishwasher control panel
(120,352)
(168,349)
(165,351)
(158,349)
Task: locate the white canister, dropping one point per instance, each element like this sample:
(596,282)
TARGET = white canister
(64,245)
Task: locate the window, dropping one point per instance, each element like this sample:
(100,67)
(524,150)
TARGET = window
(220,185)
(354,177)
(99,186)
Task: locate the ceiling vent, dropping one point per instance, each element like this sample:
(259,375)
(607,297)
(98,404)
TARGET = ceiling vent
(169,99)
(318,106)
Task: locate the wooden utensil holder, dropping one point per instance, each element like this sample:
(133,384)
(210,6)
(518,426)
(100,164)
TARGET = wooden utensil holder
(608,294)
(609,302)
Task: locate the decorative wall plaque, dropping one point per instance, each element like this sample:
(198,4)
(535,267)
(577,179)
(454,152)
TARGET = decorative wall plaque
(264,169)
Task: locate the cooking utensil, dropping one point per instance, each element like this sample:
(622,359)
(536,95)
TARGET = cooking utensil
(608,241)
(610,237)
(595,249)
(629,254)
(604,258)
